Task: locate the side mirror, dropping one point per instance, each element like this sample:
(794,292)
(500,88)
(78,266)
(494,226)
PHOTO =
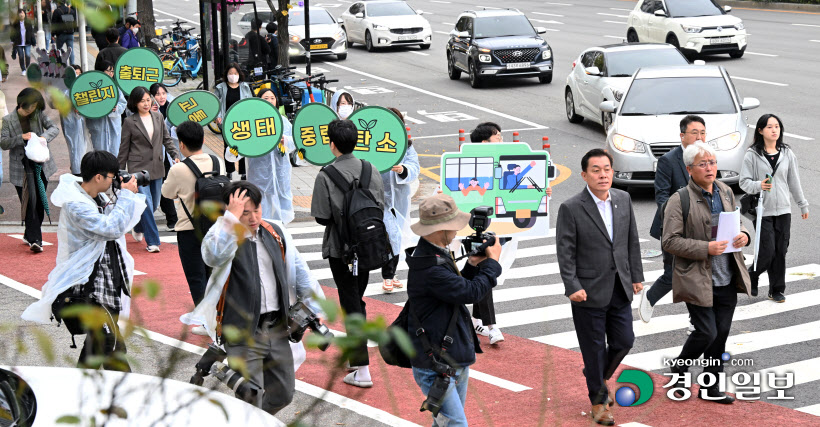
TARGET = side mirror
(540,30)
(699,62)
(592,71)
(727,9)
(419,12)
(463,34)
(661,13)
(749,104)
(359,15)
(608,107)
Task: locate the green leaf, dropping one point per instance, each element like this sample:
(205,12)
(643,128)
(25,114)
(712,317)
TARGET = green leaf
(68,419)
(329,307)
(232,334)
(219,405)
(363,123)
(152,289)
(238,364)
(115,411)
(403,341)
(315,340)
(45,344)
(371,124)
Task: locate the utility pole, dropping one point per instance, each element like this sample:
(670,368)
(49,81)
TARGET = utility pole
(41,35)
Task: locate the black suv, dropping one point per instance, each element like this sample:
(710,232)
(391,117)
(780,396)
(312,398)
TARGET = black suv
(497,43)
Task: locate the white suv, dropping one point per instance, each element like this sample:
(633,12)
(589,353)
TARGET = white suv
(693,26)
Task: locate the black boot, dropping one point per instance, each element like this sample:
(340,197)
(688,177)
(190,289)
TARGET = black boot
(754,279)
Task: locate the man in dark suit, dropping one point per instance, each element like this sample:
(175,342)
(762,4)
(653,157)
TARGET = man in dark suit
(670,176)
(600,262)
(113,50)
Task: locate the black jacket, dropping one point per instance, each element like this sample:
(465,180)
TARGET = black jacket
(112,53)
(670,176)
(273,44)
(15,33)
(60,26)
(434,289)
(258,50)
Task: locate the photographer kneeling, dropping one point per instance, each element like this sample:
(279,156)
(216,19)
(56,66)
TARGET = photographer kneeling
(437,294)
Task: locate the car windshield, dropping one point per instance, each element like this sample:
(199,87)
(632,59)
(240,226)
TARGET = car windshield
(689,8)
(317,17)
(678,95)
(624,63)
(500,26)
(389,9)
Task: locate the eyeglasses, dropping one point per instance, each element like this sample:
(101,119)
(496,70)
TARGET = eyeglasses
(110,176)
(696,133)
(705,163)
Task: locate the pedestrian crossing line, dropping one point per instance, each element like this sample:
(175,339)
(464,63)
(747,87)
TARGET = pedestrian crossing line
(812,409)
(20,237)
(735,344)
(662,324)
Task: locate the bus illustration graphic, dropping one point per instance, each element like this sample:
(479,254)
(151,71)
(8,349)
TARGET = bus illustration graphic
(509,177)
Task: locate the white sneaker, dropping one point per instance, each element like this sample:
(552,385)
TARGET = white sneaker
(479,328)
(351,379)
(387,285)
(153,249)
(495,336)
(23,73)
(199,330)
(690,329)
(137,236)
(645,310)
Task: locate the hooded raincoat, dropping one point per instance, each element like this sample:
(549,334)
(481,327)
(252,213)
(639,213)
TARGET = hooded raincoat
(397,194)
(74,129)
(106,131)
(271,173)
(334,101)
(82,234)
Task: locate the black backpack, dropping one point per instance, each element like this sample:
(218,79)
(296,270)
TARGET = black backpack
(684,205)
(362,230)
(208,204)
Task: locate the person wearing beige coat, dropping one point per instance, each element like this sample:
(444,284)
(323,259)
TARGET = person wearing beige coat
(143,136)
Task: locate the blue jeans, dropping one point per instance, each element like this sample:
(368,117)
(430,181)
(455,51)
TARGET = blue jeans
(452,408)
(24,52)
(68,39)
(147,224)
(47,30)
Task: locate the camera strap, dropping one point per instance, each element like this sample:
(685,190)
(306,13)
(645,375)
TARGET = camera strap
(429,349)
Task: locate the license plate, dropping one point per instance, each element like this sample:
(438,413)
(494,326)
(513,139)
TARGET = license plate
(720,40)
(403,38)
(318,46)
(517,65)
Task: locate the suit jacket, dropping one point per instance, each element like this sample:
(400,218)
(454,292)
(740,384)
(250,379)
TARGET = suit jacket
(670,176)
(587,258)
(11,138)
(140,151)
(112,53)
(17,38)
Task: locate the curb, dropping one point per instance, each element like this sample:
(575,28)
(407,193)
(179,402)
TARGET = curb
(777,6)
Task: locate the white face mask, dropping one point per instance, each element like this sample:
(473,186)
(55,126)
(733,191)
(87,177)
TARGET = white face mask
(345,111)
(233,78)
(135,30)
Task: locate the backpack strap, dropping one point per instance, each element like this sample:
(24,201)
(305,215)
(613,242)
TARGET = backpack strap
(193,167)
(271,229)
(336,177)
(216,171)
(427,347)
(197,175)
(684,205)
(220,310)
(367,172)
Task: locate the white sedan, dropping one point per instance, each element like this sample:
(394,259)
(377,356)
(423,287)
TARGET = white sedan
(603,73)
(378,24)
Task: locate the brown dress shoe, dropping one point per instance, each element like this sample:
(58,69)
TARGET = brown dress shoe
(601,415)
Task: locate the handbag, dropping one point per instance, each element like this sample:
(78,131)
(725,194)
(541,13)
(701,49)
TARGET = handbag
(394,355)
(749,202)
(37,149)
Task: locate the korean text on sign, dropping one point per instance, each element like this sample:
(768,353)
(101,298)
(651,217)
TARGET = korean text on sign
(94,95)
(145,74)
(308,135)
(241,131)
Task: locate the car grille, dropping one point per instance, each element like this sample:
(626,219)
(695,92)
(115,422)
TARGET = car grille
(719,48)
(643,176)
(413,30)
(658,150)
(313,40)
(525,55)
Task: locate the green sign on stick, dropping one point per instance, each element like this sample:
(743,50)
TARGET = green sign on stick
(310,133)
(138,66)
(198,106)
(94,94)
(253,126)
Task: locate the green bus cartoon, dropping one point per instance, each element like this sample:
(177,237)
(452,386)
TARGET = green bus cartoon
(509,177)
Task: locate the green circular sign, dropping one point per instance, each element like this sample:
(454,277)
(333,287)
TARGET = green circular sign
(69,77)
(94,94)
(253,126)
(138,66)
(382,137)
(310,133)
(198,106)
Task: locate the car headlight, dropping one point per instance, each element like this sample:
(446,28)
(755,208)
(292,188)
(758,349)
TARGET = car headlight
(617,94)
(294,38)
(546,54)
(338,35)
(379,27)
(627,144)
(484,57)
(690,29)
(740,26)
(726,142)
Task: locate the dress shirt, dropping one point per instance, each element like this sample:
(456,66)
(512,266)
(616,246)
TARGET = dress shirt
(605,208)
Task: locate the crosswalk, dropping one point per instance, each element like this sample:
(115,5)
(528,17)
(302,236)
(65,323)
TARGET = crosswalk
(531,304)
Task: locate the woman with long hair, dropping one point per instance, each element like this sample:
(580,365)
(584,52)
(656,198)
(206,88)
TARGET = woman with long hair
(232,90)
(770,169)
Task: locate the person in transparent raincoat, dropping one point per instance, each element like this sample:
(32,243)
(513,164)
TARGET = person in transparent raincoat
(106,131)
(397,194)
(272,172)
(74,129)
(91,230)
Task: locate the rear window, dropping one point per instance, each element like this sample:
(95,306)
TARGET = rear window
(625,63)
(678,95)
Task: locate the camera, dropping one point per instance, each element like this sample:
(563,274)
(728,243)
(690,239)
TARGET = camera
(203,368)
(435,397)
(244,389)
(480,222)
(143,178)
(301,317)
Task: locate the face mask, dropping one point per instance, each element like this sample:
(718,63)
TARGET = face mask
(233,78)
(135,30)
(345,111)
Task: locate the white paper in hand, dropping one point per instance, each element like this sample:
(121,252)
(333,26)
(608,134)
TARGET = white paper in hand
(728,229)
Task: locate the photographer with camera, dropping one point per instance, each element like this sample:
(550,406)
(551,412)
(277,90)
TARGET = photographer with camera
(437,293)
(261,287)
(93,264)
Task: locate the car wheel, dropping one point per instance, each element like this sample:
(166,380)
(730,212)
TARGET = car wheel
(368,42)
(632,36)
(525,222)
(545,78)
(425,46)
(452,71)
(737,53)
(341,56)
(673,40)
(606,121)
(475,80)
(347,37)
(570,103)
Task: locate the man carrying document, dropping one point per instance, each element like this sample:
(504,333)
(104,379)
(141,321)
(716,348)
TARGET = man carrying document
(707,275)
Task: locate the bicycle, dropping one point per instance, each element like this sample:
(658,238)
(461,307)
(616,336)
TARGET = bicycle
(181,70)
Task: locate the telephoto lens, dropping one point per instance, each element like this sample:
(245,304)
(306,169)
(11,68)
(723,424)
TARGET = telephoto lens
(244,389)
(203,367)
(435,397)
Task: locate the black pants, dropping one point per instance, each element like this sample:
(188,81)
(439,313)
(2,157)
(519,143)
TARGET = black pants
(167,205)
(190,255)
(663,285)
(34,214)
(389,269)
(230,167)
(775,232)
(105,342)
(351,298)
(712,325)
(485,310)
(605,337)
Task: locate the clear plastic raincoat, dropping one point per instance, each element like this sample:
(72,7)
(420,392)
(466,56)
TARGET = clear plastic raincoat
(106,131)
(397,194)
(271,173)
(81,236)
(74,128)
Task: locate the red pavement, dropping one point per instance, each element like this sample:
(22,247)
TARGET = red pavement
(557,395)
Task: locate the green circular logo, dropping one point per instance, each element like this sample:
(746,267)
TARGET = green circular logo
(310,133)
(198,106)
(253,126)
(138,66)
(94,94)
